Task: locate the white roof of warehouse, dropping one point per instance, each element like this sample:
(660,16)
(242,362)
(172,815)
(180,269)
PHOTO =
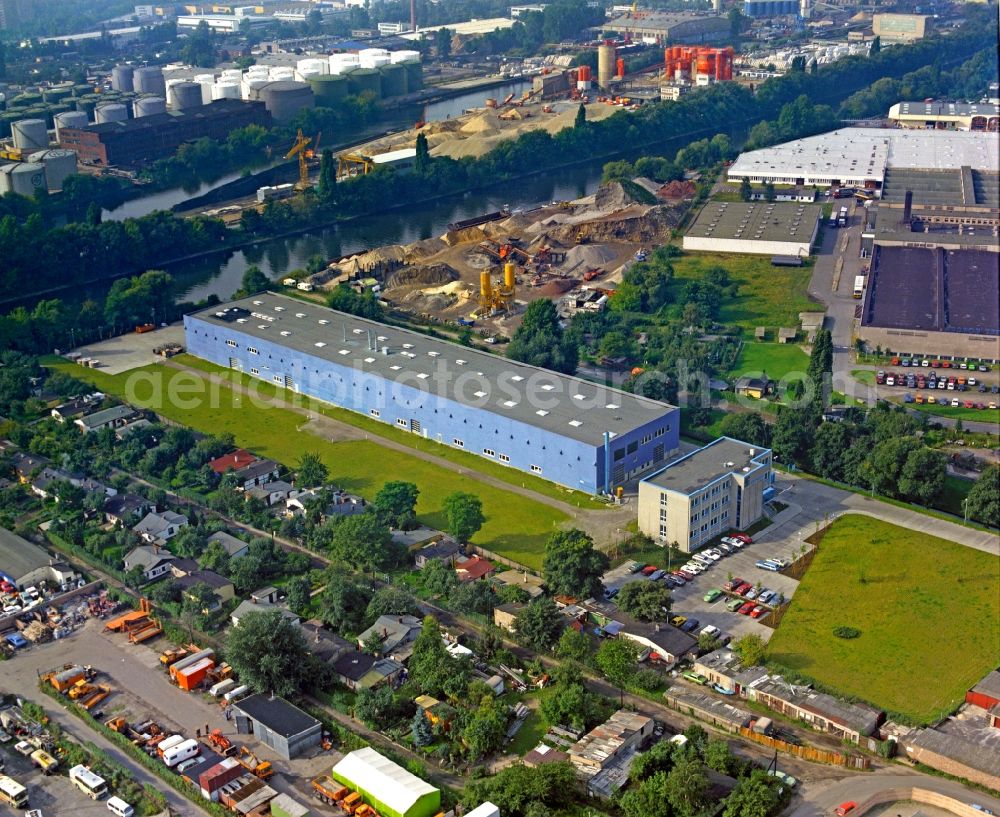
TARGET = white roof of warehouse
(869,152)
(395,787)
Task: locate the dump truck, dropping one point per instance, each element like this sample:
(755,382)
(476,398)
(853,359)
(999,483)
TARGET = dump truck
(329,791)
(351,802)
(261,769)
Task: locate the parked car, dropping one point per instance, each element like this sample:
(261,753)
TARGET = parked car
(727,549)
(907,398)
(744,538)
(743,589)
(656,575)
(729,540)
(677,621)
(733,583)
(747,608)
(674,581)
(610,594)
(759,611)
(690,625)
(682,575)
(714,554)
(734,604)
(765,596)
(710,629)
(695,677)
(722,690)
(982,809)
(648,570)
(712,595)
(635,567)
(845,808)
(751,594)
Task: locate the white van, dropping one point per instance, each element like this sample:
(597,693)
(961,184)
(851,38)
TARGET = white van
(119,807)
(169,743)
(182,751)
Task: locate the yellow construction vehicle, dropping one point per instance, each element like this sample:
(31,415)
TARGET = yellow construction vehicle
(353,164)
(299,149)
(261,769)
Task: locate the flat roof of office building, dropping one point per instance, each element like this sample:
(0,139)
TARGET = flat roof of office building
(934,109)
(933,290)
(852,152)
(701,467)
(756,221)
(557,403)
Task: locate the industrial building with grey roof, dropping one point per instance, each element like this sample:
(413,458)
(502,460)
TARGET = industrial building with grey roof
(570,431)
(763,228)
(670,26)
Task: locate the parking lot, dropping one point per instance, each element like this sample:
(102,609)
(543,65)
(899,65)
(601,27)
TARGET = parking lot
(131,351)
(53,794)
(141,691)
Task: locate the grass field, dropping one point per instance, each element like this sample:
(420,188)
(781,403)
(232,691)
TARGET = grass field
(768,296)
(516,527)
(774,359)
(928,610)
(864,376)
(960,412)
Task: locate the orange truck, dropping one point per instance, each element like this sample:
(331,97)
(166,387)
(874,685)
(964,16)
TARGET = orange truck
(352,802)
(143,328)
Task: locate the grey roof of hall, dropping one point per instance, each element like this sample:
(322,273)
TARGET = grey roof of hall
(574,408)
(699,468)
(18,556)
(757,221)
(938,108)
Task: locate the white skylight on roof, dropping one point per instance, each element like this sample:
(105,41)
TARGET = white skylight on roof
(258,303)
(542,413)
(547,387)
(575,423)
(579,397)
(517,378)
(612,406)
(320,344)
(460,362)
(395,368)
(358,331)
(279,309)
(285,333)
(323,321)
(407,345)
(480,393)
(423,375)
(241,320)
(300,314)
(510,403)
(344,352)
(434,354)
(262,326)
(382,337)
(369,360)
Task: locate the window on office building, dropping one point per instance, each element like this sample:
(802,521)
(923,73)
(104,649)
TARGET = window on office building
(458,442)
(536,469)
(255,371)
(401,422)
(374,413)
(504,458)
(489,452)
(232,343)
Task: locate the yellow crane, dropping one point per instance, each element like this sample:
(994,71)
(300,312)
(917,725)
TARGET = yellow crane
(351,164)
(299,149)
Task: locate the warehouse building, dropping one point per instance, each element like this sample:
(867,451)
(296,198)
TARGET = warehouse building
(24,564)
(135,141)
(973,116)
(716,488)
(861,157)
(389,788)
(563,429)
(755,228)
(666,27)
(901,28)
(933,302)
(278,724)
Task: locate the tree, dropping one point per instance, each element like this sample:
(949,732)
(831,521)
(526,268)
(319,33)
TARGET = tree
(396,503)
(876,46)
(372,644)
(616,659)
(438,577)
(442,42)
(473,597)
(573,566)
(687,787)
(486,729)
(617,171)
(135,577)
(648,798)
(750,648)
(464,513)
(297,593)
(769,194)
(983,500)
(569,703)
(254,280)
(198,599)
(364,542)
(922,476)
(539,624)
(747,426)
(707,643)
(541,341)
(390,601)
(754,796)
(268,653)
(649,601)
(422,161)
(311,471)
(343,602)
(736,21)
(659,758)
(516,789)
(376,707)
(581,117)
(326,188)
(746,189)
(718,756)
(430,666)
(420,729)
(573,645)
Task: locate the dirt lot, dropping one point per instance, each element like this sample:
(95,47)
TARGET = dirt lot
(142,690)
(127,352)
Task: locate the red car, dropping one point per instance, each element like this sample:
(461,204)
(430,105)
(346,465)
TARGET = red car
(648,570)
(969,404)
(743,589)
(743,538)
(680,574)
(758,611)
(747,608)
(845,808)
(733,583)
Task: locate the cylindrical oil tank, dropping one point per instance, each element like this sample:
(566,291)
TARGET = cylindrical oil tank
(254,70)
(170,83)
(375,62)
(30,134)
(704,64)
(121,78)
(70,119)
(365,80)
(619,67)
(509,272)
(58,165)
(58,94)
(251,85)
(87,106)
(344,63)
(306,74)
(26,100)
(149,80)
(7,119)
(372,52)
(282,73)
(82,89)
(414,76)
(393,80)
(112,112)
(313,65)
(605,65)
(152,105)
(206,81)
(187,95)
(404,56)
(226,89)
(284,99)
(328,89)
(232,73)
(23,178)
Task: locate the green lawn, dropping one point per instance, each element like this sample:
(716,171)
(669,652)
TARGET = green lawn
(768,296)
(961,412)
(444,452)
(928,610)
(955,490)
(774,359)
(516,527)
(864,376)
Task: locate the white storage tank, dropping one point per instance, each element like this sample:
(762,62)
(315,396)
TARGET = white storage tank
(151,105)
(121,78)
(376,61)
(251,85)
(232,73)
(206,81)
(22,177)
(30,134)
(112,112)
(69,119)
(342,63)
(226,89)
(149,80)
(404,56)
(373,52)
(257,70)
(57,163)
(280,73)
(313,66)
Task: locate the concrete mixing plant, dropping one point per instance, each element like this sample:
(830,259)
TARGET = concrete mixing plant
(498,297)
(698,65)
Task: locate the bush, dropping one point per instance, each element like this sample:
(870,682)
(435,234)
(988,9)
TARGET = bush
(846,632)
(648,680)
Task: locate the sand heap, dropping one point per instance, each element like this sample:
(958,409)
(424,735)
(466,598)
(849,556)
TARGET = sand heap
(418,274)
(589,256)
